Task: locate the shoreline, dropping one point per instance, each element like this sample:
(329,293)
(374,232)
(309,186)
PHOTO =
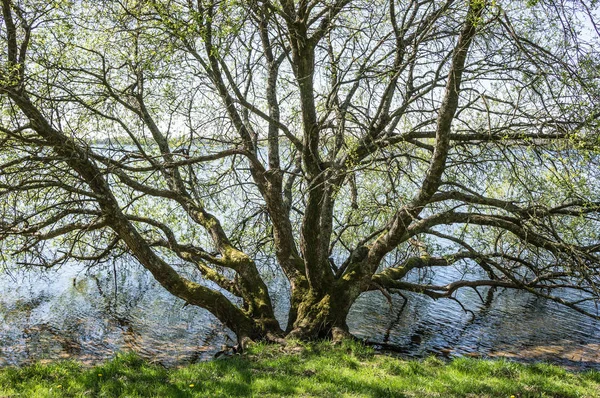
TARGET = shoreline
(298,369)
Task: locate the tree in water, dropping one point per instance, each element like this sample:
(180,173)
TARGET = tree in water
(350,143)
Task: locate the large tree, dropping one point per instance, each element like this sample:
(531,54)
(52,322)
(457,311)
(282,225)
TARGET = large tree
(347,143)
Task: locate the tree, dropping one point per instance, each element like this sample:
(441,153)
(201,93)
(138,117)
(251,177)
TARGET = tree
(350,142)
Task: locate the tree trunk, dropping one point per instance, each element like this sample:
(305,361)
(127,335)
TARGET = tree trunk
(315,315)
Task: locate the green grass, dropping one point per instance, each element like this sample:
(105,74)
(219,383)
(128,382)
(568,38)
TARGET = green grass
(346,370)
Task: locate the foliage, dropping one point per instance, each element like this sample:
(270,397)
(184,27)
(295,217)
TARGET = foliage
(351,143)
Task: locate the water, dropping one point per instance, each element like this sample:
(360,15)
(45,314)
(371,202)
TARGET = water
(66,314)
(514,325)
(92,315)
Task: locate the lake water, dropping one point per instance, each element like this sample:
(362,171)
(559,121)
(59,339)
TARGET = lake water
(90,316)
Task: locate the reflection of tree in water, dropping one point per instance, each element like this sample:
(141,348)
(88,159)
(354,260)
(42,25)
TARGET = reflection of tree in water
(541,332)
(90,317)
(117,309)
(420,332)
(87,318)
(124,293)
(464,326)
(34,332)
(43,335)
(21,311)
(396,320)
(62,324)
(462,333)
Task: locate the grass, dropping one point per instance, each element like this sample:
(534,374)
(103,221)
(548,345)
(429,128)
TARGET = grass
(346,370)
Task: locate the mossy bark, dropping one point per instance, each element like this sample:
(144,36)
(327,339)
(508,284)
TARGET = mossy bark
(321,314)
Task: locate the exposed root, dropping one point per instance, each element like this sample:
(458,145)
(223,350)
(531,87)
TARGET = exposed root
(339,334)
(273,338)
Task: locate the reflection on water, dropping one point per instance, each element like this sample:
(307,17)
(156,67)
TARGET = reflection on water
(90,316)
(65,314)
(507,323)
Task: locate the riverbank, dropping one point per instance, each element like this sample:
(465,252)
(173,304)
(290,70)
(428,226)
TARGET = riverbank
(349,369)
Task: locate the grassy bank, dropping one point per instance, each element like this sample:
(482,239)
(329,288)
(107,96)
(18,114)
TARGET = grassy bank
(349,370)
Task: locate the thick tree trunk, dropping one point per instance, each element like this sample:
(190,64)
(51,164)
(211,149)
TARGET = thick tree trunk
(315,314)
